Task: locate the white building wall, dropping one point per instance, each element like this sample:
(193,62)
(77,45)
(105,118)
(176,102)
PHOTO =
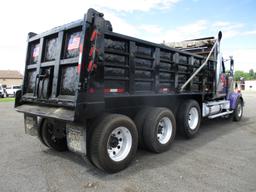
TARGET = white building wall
(250,85)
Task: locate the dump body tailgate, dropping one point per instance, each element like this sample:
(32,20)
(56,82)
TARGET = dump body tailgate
(51,75)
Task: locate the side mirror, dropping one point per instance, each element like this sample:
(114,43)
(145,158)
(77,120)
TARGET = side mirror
(232,62)
(231,66)
(219,36)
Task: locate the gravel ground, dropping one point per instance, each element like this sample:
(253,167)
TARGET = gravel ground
(221,158)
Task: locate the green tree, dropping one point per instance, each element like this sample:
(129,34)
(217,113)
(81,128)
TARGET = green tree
(247,76)
(251,73)
(238,75)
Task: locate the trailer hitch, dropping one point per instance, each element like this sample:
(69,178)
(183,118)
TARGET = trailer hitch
(205,62)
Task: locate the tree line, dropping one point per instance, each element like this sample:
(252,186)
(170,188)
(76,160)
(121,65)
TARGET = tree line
(251,75)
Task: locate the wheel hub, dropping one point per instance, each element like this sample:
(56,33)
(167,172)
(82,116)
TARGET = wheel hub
(53,135)
(193,118)
(239,110)
(55,132)
(160,128)
(164,131)
(119,144)
(114,141)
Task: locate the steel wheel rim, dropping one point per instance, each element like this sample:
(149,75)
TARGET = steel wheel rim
(55,134)
(164,130)
(193,118)
(239,110)
(119,144)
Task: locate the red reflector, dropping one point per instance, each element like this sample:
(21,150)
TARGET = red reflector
(91,66)
(91,90)
(94,34)
(91,51)
(110,90)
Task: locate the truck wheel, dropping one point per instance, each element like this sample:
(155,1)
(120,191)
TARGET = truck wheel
(113,143)
(238,113)
(54,135)
(159,130)
(139,121)
(189,118)
(40,137)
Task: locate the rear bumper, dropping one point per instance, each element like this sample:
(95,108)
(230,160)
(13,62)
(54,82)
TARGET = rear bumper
(49,112)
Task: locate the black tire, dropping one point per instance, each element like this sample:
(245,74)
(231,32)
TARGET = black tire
(54,135)
(40,137)
(99,142)
(237,115)
(183,119)
(139,120)
(151,129)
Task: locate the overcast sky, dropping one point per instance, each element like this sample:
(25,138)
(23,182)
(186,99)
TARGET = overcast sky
(153,20)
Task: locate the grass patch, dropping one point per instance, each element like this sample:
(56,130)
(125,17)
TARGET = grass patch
(8,99)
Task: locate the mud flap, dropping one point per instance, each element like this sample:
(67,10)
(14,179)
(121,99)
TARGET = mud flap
(76,138)
(31,125)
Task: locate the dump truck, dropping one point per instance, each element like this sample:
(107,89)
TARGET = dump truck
(102,94)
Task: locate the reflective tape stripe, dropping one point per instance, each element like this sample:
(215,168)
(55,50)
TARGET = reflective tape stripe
(164,89)
(110,90)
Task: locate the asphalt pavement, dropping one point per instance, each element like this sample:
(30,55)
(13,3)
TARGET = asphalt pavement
(221,158)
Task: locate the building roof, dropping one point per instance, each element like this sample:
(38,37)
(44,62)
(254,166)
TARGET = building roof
(10,74)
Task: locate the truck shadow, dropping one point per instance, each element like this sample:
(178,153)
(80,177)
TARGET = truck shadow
(209,131)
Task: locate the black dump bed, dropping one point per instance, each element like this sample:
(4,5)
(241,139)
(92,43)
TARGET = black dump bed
(83,68)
